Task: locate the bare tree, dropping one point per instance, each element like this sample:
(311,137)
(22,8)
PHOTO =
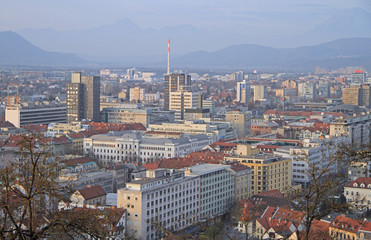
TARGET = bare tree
(325,181)
(29,195)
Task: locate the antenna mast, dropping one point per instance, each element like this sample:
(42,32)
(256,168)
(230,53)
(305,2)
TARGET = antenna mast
(168,57)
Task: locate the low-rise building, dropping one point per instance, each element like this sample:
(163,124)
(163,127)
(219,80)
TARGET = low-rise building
(242,180)
(358,193)
(92,195)
(33,114)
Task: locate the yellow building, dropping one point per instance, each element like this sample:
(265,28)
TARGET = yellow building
(269,171)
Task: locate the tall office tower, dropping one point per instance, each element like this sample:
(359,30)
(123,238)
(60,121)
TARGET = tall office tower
(358,77)
(175,82)
(243,91)
(260,92)
(83,98)
(255,76)
(181,100)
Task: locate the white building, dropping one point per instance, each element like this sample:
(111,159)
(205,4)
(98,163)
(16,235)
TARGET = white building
(243,91)
(44,114)
(358,193)
(216,189)
(165,200)
(215,129)
(135,146)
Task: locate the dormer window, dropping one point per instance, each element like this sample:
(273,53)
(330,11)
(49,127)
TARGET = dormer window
(355,185)
(369,185)
(362,185)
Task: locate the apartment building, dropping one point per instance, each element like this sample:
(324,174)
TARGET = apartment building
(181,100)
(216,189)
(165,200)
(136,94)
(269,171)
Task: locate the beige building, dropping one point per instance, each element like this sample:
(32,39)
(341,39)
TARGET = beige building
(126,115)
(269,171)
(137,94)
(165,200)
(260,92)
(357,95)
(181,100)
(241,121)
(242,181)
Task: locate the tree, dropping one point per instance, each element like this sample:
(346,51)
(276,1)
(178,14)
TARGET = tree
(325,177)
(30,192)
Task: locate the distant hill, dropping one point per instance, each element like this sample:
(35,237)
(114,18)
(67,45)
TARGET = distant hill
(334,54)
(16,51)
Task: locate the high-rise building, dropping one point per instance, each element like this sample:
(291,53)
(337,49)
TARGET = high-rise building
(243,91)
(307,90)
(83,98)
(324,89)
(358,77)
(173,83)
(357,95)
(260,92)
(241,121)
(137,94)
(181,100)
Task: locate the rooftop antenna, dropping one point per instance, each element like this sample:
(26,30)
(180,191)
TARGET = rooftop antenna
(168,56)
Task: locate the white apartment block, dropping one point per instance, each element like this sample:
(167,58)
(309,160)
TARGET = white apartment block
(166,200)
(216,190)
(134,146)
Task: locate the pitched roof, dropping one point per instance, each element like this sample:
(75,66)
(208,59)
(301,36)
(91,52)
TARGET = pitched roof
(346,224)
(238,167)
(365,180)
(91,192)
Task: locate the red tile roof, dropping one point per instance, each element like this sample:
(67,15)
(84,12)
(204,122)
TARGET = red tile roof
(271,193)
(365,180)
(238,167)
(6,124)
(346,224)
(116,126)
(36,128)
(91,192)
(75,161)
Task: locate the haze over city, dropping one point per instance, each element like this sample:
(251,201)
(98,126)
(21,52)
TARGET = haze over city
(174,120)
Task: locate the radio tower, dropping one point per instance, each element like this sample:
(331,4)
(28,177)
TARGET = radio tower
(168,57)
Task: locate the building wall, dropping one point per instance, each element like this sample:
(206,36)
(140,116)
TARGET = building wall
(241,121)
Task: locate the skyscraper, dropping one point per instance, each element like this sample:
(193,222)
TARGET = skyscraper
(175,82)
(243,91)
(83,98)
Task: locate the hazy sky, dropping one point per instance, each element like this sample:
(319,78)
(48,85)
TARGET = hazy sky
(232,14)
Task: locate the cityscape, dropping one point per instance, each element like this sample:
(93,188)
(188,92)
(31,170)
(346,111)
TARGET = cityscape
(234,141)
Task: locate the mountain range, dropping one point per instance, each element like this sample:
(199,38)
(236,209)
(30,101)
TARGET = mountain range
(15,51)
(125,40)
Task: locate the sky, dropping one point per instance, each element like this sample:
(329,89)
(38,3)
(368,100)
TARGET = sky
(267,15)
